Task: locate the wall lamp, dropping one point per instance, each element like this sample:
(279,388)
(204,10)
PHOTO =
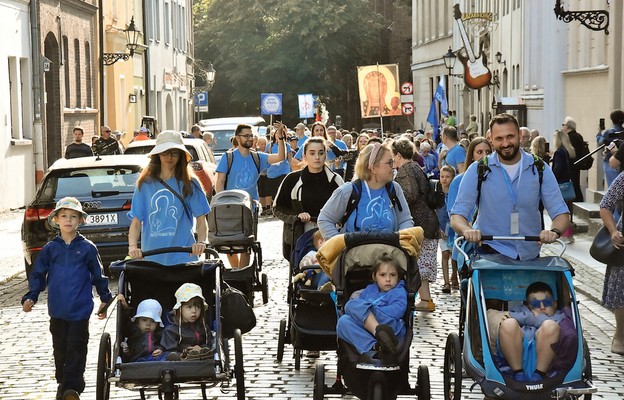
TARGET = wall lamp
(132,40)
(499,58)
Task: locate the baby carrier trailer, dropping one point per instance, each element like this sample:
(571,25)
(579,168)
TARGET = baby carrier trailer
(233,229)
(373,380)
(311,323)
(141,279)
(497,282)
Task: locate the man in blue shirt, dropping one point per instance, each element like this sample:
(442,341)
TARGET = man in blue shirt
(455,156)
(510,196)
(606,138)
(243,173)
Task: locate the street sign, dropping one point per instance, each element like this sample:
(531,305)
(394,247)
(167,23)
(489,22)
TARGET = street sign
(407,88)
(408,108)
(270,103)
(201,99)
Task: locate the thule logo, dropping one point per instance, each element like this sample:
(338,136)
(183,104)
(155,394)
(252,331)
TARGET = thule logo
(535,387)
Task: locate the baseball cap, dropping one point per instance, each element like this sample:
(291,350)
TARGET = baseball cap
(71,203)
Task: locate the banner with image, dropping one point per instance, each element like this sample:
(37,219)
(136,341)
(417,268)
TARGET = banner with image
(306,105)
(379,90)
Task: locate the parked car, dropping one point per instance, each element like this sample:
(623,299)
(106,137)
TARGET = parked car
(104,185)
(224,128)
(203,162)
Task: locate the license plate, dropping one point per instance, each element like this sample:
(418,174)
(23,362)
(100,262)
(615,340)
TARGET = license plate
(102,219)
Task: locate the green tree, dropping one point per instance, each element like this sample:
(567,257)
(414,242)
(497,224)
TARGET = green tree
(285,46)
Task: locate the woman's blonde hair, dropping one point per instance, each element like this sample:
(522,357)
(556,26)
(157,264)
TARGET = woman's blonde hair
(562,139)
(538,146)
(362,171)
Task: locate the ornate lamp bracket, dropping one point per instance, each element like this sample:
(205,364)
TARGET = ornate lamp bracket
(112,58)
(596,20)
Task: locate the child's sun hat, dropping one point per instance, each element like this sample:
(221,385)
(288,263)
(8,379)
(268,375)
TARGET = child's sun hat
(70,203)
(149,308)
(186,292)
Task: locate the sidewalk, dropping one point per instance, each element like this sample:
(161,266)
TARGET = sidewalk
(11,254)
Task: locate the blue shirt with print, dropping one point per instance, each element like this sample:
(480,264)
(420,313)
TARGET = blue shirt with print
(244,174)
(282,167)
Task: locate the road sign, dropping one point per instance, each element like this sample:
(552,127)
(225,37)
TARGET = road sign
(407,88)
(201,99)
(408,108)
(271,103)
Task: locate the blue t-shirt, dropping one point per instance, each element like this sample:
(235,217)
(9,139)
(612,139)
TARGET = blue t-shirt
(455,156)
(301,142)
(374,211)
(282,167)
(164,219)
(244,174)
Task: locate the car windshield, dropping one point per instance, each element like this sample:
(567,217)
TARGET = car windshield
(148,148)
(90,182)
(222,140)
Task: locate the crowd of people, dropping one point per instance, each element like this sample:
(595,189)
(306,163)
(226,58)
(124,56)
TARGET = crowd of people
(339,182)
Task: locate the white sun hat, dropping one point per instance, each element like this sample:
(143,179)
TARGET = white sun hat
(186,292)
(168,140)
(149,308)
(70,203)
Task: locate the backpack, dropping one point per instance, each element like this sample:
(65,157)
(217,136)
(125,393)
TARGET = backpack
(588,161)
(434,197)
(356,194)
(483,170)
(230,159)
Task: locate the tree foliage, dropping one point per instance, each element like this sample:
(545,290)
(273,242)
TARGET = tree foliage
(284,46)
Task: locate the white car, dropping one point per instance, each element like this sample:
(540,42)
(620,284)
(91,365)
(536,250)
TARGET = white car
(224,128)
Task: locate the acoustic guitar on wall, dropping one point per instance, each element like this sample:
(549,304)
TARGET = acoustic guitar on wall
(476,72)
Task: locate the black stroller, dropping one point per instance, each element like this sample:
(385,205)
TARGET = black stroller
(311,323)
(496,282)
(142,279)
(352,272)
(233,229)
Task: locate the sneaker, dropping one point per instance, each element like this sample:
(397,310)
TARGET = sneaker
(386,340)
(446,288)
(71,395)
(425,305)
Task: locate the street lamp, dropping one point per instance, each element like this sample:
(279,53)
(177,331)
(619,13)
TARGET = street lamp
(210,76)
(132,40)
(499,58)
(449,62)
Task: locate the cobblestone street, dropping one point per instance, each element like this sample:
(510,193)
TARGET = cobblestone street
(26,368)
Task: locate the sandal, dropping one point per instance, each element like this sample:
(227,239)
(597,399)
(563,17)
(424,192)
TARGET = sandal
(446,288)
(425,305)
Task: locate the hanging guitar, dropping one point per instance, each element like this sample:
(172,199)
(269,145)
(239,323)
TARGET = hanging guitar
(476,72)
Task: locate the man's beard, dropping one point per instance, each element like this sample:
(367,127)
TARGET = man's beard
(247,144)
(516,149)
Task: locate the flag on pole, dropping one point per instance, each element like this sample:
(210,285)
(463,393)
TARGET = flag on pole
(440,96)
(432,118)
(306,105)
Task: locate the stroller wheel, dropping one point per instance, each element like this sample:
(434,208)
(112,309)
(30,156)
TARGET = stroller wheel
(319,382)
(452,368)
(105,356)
(297,359)
(587,372)
(281,340)
(239,372)
(423,383)
(265,289)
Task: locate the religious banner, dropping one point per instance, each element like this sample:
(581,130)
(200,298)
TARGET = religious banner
(379,90)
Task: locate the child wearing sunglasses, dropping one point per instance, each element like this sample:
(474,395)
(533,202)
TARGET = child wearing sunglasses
(529,336)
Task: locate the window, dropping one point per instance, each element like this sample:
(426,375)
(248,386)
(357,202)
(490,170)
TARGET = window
(88,78)
(167,23)
(13,117)
(66,68)
(77,73)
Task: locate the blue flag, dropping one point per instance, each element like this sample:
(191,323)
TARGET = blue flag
(432,118)
(440,96)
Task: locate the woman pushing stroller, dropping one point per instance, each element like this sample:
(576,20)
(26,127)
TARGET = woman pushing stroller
(373,320)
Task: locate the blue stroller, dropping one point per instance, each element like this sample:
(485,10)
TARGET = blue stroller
(311,323)
(498,282)
(142,279)
(373,380)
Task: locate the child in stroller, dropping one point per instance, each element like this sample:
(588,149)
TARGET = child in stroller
(373,318)
(529,336)
(313,277)
(143,331)
(188,336)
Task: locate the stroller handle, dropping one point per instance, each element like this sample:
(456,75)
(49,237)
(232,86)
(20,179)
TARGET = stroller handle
(180,249)
(458,242)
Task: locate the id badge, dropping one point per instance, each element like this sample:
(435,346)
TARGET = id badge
(515,224)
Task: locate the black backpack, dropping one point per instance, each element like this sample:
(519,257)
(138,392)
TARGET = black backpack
(356,193)
(588,161)
(434,197)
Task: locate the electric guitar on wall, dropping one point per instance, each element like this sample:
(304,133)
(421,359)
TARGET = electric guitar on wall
(476,72)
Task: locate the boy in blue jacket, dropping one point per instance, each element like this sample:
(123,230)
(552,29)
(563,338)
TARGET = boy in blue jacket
(70,265)
(374,319)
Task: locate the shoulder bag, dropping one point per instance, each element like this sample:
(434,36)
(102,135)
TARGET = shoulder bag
(602,248)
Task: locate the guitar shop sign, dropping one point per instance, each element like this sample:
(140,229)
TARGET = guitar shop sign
(476,72)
